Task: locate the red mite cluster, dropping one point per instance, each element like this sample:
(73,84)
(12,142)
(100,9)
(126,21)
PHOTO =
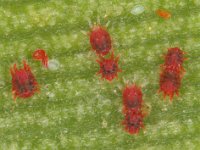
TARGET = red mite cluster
(132,109)
(170,77)
(24,84)
(101,43)
(172,72)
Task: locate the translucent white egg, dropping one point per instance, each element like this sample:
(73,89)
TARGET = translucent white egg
(53,65)
(138,9)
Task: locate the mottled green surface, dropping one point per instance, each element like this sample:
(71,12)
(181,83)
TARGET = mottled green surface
(76,110)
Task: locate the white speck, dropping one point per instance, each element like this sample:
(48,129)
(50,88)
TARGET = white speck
(104,124)
(132,30)
(190,121)
(53,64)
(51,95)
(164,109)
(138,9)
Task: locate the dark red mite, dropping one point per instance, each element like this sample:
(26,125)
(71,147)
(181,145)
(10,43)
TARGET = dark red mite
(133,121)
(174,60)
(132,97)
(109,67)
(41,56)
(100,40)
(24,84)
(170,83)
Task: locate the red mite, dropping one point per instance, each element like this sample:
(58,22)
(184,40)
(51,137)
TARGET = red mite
(132,97)
(109,67)
(100,40)
(41,56)
(172,72)
(132,109)
(24,84)
(174,60)
(170,83)
(133,121)
(163,13)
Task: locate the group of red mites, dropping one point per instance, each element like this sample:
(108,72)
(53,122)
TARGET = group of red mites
(101,43)
(132,109)
(24,83)
(170,78)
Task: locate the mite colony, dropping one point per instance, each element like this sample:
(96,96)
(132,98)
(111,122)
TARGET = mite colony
(170,77)
(24,84)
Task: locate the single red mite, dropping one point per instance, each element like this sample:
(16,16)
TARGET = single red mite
(133,121)
(172,72)
(132,109)
(170,83)
(100,40)
(109,67)
(174,60)
(24,84)
(41,56)
(132,97)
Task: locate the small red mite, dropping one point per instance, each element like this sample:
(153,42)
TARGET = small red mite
(41,56)
(100,40)
(133,121)
(174,59)
(170,83)
(109,67)
(172,72)
(163,13)
(132,97)
(24,84)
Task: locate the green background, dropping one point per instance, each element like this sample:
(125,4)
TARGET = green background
(75,109)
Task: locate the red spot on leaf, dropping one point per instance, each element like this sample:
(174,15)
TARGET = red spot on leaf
(163,13)
(24,84)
